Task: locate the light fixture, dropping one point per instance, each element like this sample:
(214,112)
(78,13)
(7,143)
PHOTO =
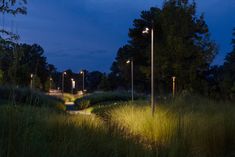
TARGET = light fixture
(146,30)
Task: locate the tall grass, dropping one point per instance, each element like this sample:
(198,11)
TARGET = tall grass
(188,127)
(40,132)
(26,96)
(180,129)
(70,97)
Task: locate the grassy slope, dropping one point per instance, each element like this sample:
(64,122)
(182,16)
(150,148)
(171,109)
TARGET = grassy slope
(40,132)
(192,128)
(185,127)
(195,129)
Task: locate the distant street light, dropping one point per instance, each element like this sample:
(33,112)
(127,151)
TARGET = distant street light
(83,82)
(173,86)
(132,78)
(72,82)
(50,84)
(146,31)
(31,81)
(63,75)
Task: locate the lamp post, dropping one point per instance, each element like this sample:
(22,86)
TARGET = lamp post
(31,81)
(83,81)
(146,31)
(132,78)
(173,86)
(63,75)
(50,84)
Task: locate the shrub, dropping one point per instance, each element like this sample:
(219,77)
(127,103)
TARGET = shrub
(101,98)
(26,96)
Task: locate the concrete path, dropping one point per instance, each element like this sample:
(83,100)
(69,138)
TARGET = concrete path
(71,110)
(79,112)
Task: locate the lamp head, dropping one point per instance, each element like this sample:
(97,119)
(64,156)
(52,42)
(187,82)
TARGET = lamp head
(146,30)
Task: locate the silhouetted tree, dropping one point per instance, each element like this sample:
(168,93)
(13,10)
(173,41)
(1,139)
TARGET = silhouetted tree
(105,84)
(19,61)
(182,48)
(93,80)
(228,83)
(12,7)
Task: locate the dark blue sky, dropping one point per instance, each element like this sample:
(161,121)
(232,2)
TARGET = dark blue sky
(86,34)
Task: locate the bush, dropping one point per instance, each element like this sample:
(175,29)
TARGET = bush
(98,98)
(84,104)
(26,96)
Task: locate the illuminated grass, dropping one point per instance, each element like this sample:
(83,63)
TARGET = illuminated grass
(183,128)
(180,130)
(40,132)
(70,97)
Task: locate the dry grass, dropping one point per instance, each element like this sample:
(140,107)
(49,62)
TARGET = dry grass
(180,129)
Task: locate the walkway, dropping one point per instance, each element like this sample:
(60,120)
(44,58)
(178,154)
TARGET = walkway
(70,108)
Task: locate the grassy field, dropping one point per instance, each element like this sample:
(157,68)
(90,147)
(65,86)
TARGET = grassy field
(183,127)
(180,130)
(186,127)
(40,132)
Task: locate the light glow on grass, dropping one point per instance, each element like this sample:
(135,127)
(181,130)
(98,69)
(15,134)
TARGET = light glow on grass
(203,130)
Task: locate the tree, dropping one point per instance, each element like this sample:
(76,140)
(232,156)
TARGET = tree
(8,6)
(1,77)
(183,48)
(104,84)
(12,7)
(19,61)
(93,80)
(228,83)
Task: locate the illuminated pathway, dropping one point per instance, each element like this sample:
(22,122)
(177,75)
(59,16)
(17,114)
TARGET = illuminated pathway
(70,109)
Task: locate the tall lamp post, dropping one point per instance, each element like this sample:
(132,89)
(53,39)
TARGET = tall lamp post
(173,86)
(63,75)
(31,81)
(146,31)
(132,78)
(50,84)
(83,81)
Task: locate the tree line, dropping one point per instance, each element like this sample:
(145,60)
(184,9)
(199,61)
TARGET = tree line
(183,49)
(22,63)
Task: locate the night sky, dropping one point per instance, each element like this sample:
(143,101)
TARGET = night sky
(86,34)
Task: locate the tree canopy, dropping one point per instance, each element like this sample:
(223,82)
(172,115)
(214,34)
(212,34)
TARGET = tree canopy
(19,61)
(12,7)
(228,80)
(182,48)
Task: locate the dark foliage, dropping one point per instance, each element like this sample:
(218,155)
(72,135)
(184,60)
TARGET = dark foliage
(183,48)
